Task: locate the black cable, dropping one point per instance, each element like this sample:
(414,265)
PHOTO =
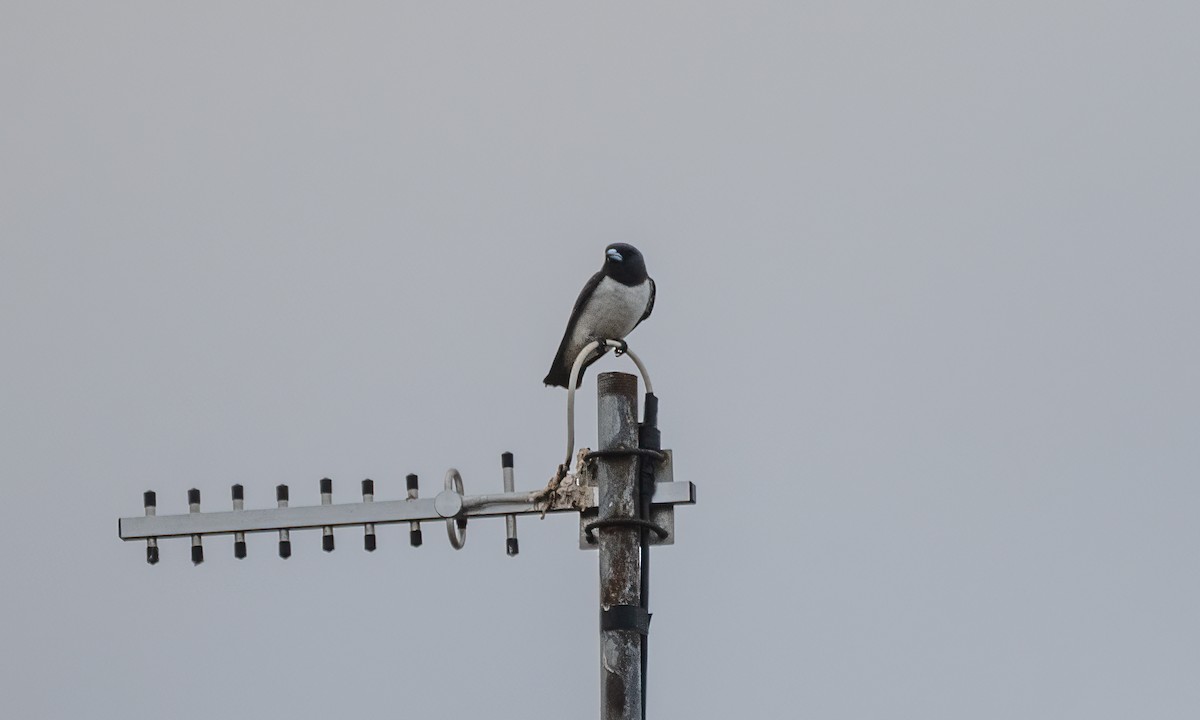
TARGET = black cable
(650,443)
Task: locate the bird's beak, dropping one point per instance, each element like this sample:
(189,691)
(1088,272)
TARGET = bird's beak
(614,255)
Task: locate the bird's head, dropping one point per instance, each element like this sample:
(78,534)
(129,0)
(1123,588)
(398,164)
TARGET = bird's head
(624,262)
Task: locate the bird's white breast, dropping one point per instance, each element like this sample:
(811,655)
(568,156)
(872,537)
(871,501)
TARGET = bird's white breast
(612,312)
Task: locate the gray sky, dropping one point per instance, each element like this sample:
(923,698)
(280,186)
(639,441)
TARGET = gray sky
(925,339)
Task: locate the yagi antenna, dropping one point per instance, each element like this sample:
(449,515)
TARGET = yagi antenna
(450,505)
(624,492)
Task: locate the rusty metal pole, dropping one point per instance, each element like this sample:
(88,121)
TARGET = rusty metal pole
(620,573)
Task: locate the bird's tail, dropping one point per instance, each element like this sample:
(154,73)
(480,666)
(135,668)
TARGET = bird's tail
(559,376)
(560,372)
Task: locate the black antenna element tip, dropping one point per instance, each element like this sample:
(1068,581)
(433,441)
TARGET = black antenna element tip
(281,492)
(193,497)
(506,459)
(326,485)
(368,486)
(149,499)
(327,543)
(237,492)
(197,554)
(285,549)
(239,549)
(414,537)
(512,548)
(411,480)
(369,542)
(152,555)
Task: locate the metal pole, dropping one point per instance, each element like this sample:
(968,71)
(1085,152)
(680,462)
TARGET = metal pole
(620,575)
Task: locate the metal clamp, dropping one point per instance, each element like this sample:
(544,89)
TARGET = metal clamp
(658,530)
(654,455)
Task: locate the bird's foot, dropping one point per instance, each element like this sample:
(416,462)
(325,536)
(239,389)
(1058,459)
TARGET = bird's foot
(619,345)
(601,347)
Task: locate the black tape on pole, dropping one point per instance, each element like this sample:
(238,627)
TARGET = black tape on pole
(625,617)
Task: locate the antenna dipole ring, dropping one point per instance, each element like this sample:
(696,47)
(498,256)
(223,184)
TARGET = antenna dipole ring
(449,503)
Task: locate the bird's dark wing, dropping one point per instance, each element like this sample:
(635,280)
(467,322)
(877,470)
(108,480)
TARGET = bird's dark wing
(649,305)
(580,301)
(560,369)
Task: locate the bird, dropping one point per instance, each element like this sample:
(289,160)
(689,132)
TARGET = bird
(612,303)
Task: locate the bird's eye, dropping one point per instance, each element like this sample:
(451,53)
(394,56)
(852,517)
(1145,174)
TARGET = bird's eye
(614,255)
